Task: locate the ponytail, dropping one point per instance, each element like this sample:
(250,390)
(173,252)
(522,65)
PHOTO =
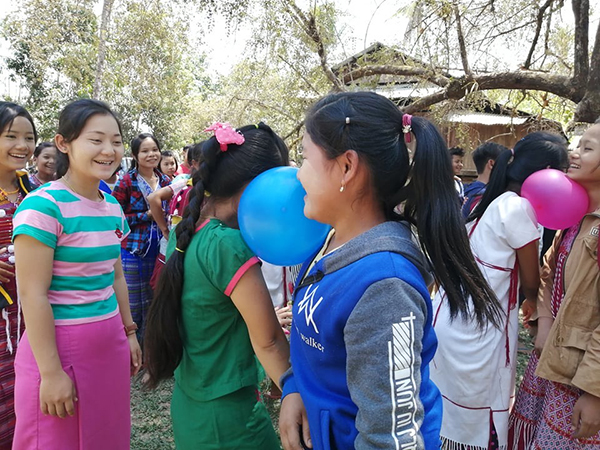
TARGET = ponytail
(373,126)
(163,344)
(431,205)
(223,174)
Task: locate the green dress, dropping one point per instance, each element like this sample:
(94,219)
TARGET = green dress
(215,401)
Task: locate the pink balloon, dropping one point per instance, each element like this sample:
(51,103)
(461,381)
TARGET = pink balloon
(558,201)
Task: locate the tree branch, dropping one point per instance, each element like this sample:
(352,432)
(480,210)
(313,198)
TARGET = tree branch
(461,43)
(309,25)
(296,130)
(538,29)
(581,10)
(594,80)
(308,83)
(106,10)
(560,85)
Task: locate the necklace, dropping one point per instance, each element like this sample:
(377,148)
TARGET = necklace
(4,195)
(64,180)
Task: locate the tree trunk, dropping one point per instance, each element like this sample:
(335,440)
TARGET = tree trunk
(106,10)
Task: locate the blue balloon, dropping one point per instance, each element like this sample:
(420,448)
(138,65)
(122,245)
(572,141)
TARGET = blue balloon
(272,221)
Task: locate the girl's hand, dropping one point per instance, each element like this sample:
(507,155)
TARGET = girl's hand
(529,308)
(57,394)
(284,315)
(136,354)
(165,233)
(293,424)
(585,421)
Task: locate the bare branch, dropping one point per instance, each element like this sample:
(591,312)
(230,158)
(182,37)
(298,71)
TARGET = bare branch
(308,83)
(594,80)
(426,102)
(538,29)
(309,25)
(296,130)
(581,10)
(457,88)
(461,42)
(106,10)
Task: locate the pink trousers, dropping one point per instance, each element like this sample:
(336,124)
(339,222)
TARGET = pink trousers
(96,356)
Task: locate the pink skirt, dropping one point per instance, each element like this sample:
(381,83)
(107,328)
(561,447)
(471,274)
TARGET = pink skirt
(96,356)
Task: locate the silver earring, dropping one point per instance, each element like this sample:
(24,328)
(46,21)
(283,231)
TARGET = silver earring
(342,188)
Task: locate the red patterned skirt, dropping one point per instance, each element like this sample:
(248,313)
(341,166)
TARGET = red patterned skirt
(541,417)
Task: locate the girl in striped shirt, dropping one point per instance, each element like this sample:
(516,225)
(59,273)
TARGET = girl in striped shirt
(74,362)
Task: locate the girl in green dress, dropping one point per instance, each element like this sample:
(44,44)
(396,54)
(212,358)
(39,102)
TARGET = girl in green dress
(212,311)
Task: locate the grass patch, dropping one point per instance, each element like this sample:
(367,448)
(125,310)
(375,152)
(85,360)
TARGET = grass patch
(151,427)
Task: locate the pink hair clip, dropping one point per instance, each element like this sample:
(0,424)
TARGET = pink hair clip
(406,126)
(225,134)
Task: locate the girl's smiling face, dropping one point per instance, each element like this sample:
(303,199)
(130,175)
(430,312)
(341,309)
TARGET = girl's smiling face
(46,162)
(17,142)
(584,161)
(98,149)
(149,155)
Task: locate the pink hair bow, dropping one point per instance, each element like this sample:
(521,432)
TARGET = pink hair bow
(225,134)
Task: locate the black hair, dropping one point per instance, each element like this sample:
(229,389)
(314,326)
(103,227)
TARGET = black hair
(167,154)
(372,126)
(536,151)
(223,174)
(38,150)
(456,151)
(195,154)
(9,112)
(187,148)
(485,152)
(136,142)
(72,121)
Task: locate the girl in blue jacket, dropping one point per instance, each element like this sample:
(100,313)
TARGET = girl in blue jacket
(362,337)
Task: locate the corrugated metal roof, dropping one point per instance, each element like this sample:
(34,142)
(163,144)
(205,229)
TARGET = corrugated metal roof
(484,118)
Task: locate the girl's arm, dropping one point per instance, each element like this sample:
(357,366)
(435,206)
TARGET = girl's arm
(57,391)
(384,342)
(120,287)
(155,201)
(529,274)
(253,301)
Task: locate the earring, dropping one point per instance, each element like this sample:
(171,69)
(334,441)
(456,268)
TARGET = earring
(342,188)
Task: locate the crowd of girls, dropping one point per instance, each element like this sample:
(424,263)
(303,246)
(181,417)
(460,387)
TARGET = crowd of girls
(372,362)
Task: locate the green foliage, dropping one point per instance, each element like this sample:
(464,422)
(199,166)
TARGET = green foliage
(151,71)
(53,45)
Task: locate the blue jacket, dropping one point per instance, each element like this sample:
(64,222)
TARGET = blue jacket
(473,193)
(361,342)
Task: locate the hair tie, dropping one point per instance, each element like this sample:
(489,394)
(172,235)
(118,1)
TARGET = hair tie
(407,127)
(179,250)
(225,135)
